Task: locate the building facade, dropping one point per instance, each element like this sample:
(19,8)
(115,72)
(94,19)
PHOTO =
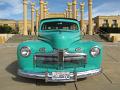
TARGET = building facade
(107,21)
(7,22)
(103,21)
(15,24)
(55,15)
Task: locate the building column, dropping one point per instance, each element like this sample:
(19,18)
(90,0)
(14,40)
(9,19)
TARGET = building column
(90,22)
(45,10)
(74,8)
(47,13)
(77,12)
(41,9)
(37,20)
(32,18)
(82,17)
(66,11)
(64,14)
(25,32)
(69,10)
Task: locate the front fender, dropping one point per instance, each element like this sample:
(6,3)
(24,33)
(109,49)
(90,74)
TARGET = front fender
(35,48)
(85,47)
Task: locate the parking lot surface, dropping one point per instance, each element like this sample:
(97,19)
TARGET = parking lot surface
(109,79)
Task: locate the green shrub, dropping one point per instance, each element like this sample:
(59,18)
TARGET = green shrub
(7,29)
(109,30)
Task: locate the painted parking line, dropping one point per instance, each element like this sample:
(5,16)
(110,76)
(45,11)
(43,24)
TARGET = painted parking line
(8,45)
(112,44)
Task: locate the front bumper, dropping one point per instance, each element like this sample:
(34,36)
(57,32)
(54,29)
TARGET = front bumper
(48,76)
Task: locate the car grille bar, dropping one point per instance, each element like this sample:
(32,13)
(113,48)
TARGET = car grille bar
(60,59)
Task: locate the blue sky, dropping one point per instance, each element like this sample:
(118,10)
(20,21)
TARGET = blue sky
(13,9)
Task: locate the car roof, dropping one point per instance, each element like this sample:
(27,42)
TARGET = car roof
(59,18)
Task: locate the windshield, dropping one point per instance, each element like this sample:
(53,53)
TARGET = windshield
(59,26)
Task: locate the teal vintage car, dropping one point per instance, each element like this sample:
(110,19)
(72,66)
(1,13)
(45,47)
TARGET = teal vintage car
(59,54)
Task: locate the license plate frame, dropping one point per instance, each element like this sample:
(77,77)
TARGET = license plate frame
(60,75)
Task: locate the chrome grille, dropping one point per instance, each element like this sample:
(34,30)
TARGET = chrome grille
(60,60)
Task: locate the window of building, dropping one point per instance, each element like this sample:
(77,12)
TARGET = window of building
(5,24)
(114,21)
(114,24)
(105,23)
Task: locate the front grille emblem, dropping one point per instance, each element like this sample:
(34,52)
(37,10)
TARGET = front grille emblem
(61,58)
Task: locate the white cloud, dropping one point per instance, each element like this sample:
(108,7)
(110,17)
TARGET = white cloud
(1,3)
(11,8)
(106,9)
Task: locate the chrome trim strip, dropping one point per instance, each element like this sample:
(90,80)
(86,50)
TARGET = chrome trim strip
(49,75)
(65,54)
(75,54)
(65,59)
(74,58)
(55,56)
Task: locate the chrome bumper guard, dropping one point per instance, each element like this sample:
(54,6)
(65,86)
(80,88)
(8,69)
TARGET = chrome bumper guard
(48,76)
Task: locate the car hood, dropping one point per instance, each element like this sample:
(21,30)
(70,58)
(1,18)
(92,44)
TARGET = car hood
(60,39)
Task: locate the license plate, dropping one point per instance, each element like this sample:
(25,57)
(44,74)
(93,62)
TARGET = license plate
(60,75)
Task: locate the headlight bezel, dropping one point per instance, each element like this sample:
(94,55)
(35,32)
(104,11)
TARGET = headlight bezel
(98,52)
(27,49)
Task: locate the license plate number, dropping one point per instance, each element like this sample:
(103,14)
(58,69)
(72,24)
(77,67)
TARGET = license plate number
(60,75)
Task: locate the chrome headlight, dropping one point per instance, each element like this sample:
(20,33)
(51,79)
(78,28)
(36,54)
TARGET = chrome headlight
(25,51)
(95,51)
